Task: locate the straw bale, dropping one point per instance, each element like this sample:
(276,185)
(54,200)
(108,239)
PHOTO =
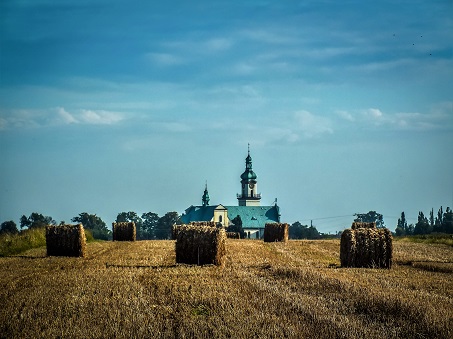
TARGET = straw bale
(124,231)
(359,224)
(174,231)
(204,223)
(200,245)
(366,247)
(65,240)
(233,235)
(276,232)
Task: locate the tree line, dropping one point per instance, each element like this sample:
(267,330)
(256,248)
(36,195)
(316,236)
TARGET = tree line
(149,225)
(442,222)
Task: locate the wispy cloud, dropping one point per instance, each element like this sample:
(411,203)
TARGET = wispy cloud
(311,125)
(35,118)
(345,115)
(99,117)
(440,116)
(65,117)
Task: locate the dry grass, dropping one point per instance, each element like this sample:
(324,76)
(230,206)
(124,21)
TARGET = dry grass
(264,290)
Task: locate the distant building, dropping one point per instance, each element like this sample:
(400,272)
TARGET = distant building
(254,217)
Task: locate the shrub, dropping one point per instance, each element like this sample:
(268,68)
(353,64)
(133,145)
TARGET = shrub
(11,244)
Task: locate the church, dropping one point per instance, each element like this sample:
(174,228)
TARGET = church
(254,216)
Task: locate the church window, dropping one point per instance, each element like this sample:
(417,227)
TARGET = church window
(220,218)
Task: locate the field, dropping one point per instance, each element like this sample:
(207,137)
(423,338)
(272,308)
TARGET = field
(265,290)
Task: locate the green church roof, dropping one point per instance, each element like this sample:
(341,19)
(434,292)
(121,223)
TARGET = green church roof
(254,216)
(198,213)
(251,216)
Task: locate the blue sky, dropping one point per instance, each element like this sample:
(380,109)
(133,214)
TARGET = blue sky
(111,106)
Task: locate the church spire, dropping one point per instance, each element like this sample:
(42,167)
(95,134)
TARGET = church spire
(248,195)
(205,198)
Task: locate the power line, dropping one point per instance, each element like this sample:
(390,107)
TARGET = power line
(322,218)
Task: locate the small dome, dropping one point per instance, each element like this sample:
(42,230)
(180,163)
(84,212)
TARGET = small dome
(248,175)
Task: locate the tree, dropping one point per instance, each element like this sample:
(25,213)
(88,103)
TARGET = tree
(438,223)
(447,221)
(422,226)
(95,224)
(165,225)
(9,227)
(299,231)
(236,226)
(296,230)
(36,220)
(431,218)
(371,216)
(149,226)
(401,228)
(312,233)
(410,229)
(131,217)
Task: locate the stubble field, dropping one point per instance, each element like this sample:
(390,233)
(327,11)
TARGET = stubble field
(265,290)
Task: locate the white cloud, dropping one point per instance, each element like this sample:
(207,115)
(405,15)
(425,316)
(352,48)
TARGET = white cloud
(439,117)
(311,125)
(374,116)
(99,117)
(65,116)
(35,118)
(345,115)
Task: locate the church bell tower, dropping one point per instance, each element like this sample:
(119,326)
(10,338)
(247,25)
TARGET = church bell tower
(249,195)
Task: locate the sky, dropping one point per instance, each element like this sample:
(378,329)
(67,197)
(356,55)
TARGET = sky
(112,106)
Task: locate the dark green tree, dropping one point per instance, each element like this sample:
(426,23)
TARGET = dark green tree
(95,224)
(410,229)
(132,217)
(422,226)
(150,224)
(165,225)
(236,226)
(447,221)
(9,227)
(36,220)
(438,222)
(312,233)
(299,231)
(431,218)
(296,230)
(401,227)
(371,216)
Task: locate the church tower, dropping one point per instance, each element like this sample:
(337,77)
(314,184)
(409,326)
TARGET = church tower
(205,198)
(248,195)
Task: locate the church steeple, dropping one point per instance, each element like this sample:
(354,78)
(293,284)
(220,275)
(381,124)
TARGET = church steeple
(205,198)
(249,195)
